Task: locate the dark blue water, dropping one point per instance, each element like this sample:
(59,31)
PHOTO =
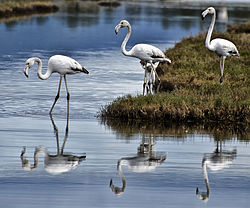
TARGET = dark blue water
(164,175)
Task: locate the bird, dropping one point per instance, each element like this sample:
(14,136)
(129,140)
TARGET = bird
(146,160)
(145,52)
(53,164)
(149,76)
(58,63)
(221,47)
(216,161)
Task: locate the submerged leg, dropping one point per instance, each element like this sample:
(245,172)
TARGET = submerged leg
(68,97)
(57,96)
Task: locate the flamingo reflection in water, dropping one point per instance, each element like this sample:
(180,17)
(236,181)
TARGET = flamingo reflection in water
(54,164)
(146,160)
(215,161)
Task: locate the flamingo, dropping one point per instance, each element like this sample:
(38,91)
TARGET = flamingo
(145,52)
(221,47)
(60,64)
(149,76)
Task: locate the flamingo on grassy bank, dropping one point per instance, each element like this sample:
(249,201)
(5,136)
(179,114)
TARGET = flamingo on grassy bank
(60,64)
(145,52)
(221,47)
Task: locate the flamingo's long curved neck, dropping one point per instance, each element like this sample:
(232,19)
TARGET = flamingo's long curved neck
(124,43)
(39,70)
(209,33)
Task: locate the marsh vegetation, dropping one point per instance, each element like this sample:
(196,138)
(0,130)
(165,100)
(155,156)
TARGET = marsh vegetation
(24,7)
(190,88)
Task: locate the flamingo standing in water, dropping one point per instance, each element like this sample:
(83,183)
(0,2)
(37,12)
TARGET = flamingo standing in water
(145,52)
(60,64)
(221,47)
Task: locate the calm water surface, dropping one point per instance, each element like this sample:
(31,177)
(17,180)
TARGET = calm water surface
(149,165)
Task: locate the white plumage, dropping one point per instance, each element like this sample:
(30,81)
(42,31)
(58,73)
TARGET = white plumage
(148,53)
(145,52)
(221,47)
(60,64)
(64,65)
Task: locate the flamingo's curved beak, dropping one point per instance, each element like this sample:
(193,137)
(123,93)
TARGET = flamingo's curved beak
(117,28)
(85,70)
(204,14)
(26,71)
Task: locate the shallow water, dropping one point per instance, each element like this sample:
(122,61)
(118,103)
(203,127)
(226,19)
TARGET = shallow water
(166,175)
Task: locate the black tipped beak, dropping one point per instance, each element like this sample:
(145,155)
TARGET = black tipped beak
(202,17)
(85,70)
(117,27)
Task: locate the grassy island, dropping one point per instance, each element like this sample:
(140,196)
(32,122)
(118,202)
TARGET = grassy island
(25,7)
(190,88)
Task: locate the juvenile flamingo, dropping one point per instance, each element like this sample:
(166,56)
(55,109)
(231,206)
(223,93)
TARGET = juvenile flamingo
(145,52)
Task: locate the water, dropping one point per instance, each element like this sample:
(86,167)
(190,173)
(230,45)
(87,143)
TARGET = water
(167,169)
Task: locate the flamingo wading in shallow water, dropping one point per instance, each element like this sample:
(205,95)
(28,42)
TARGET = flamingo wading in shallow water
(148,54)
(221,47)
(60,64)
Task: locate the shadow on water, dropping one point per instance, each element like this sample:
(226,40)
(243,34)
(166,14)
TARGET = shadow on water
(216,161)
(54,164)
(146,160)
(218,131)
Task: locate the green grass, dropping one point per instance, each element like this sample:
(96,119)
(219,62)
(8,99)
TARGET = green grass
(190,89)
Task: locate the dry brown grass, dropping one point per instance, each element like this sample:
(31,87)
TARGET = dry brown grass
(24,7)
